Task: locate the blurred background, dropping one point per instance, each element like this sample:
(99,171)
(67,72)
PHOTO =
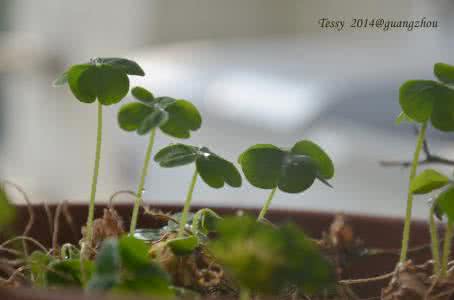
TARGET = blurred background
(260,71)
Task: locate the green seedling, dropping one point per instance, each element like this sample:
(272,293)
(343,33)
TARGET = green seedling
(292,171)
(213,169)
(424,101)
(445,202)
(426,182)
(105,80)
(264,259)
(174,117)
(124,265)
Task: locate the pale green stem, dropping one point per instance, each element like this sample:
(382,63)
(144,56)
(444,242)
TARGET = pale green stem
(187,204)
(414,167)
(434,240)
(267,204)
(446,248)
(94,183)
(140,189)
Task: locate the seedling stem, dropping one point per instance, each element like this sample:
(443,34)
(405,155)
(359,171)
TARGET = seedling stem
(414,166)
(434,240)
(267,204)
(187,204)
(94,183)
(446,248)
(140,189)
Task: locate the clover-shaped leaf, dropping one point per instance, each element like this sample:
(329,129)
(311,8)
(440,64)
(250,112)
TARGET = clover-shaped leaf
(428,181)
(105,79)
(444,72)
(267,166)
(445,203)
(212,168)
(422,100)
(176,118)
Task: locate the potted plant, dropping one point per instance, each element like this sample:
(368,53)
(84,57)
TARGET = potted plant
(202,252)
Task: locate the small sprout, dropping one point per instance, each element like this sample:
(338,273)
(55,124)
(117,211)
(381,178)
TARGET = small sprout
(292,171)
(184,245)
(445,202)
(105,80)
(213,169)
(205,221)
(176,118)
(423,101)
(428,181)
(38,262)
(265,260)
(124,265)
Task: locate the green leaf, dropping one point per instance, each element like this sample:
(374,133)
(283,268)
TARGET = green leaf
(428,181)
(80,86)
(215,170)
(67,273)
(205,221)
(7,211)
(143,95)
(444,72)
(267,166)
(424,99)
(443,111)
(122,64)
(445,202)
(298,174)
(133,253)
(183,246)
(153,120)
(183,118)
(105,79)
(131,115)
(135,274)
(111,85)
(176,155)
(262,164)
(318,155)
(164,102)
(417,97)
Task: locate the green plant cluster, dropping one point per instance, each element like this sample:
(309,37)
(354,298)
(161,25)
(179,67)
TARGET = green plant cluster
(259,257)
(125,264)
(424,101)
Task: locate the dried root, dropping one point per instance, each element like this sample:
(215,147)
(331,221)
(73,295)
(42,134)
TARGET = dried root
(109,226)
